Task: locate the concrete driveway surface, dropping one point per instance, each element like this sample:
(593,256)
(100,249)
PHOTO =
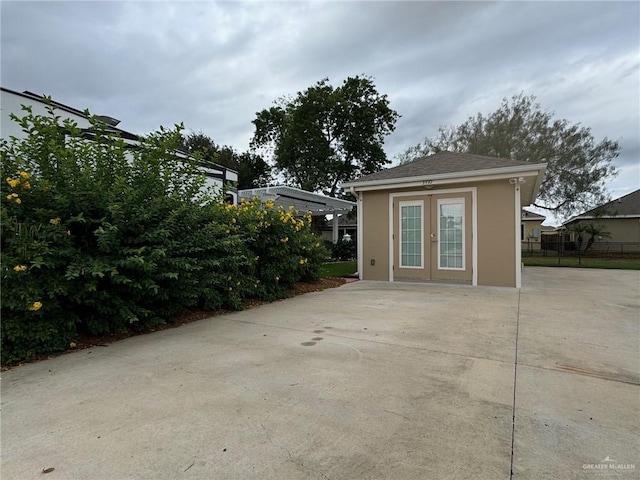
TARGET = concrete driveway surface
(366,381)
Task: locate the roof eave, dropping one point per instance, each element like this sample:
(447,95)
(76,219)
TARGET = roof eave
(539,178)
(601,217)
(457,177)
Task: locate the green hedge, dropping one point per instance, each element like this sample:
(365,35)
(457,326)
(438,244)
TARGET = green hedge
(99,237)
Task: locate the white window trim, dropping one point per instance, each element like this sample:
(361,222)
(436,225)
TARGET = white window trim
(411,203)
(453,201)
(474,225)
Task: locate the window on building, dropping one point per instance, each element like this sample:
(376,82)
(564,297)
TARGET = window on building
(411,234)
(451,234)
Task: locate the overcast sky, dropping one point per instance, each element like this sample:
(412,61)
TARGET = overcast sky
(214,65)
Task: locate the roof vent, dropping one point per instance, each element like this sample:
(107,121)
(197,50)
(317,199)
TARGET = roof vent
(109,120)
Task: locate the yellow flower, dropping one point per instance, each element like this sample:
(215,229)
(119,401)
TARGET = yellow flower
(54,221)
(301,261)
(18,201)
(35,306)
(228,231)
(20,268)
(26,185)
(284,240)
(277,278)
(23,174)
(269,204)
(317,244)
(233,220)
(13,182)
(68,232)
(73,345)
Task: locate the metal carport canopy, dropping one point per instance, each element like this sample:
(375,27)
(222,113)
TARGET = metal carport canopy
(319,205)
(301,200)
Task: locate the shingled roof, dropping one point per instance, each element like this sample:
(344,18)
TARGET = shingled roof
(627,206)
(439,164)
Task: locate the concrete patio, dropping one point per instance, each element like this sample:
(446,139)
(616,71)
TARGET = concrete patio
(366,381)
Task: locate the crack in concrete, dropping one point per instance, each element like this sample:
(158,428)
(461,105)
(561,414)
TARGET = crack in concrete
(396,413)
(515,379)
(577,371)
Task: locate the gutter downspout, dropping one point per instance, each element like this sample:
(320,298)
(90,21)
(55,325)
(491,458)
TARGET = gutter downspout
(516,181)
(360,235)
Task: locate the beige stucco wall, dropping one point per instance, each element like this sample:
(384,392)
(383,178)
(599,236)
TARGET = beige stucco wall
(375,224)
(622,230)
(496,233)
(529,241)
(531,227)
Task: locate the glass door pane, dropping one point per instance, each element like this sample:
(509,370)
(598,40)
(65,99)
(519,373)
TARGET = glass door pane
(411,234)
(451,234)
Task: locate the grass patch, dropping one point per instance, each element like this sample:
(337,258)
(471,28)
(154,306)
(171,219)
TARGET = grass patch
(585,262)
(339,269)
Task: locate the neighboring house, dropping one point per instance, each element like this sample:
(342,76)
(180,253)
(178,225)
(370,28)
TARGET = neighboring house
(448,217)
(619,217)
(319,205)
(11,102)
(347,225)
(531,230)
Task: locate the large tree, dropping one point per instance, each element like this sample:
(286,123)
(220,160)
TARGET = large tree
(577,165)
(253,171)
(325,136)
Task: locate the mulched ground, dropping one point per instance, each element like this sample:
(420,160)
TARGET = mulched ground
(87,341)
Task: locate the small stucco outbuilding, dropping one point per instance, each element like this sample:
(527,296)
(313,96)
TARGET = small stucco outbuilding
(448,217)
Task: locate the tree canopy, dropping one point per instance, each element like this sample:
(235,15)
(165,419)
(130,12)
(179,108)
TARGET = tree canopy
(577,165)
(325,136)
(253,171)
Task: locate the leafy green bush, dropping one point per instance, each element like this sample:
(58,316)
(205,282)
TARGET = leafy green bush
(344,250)
(98,236)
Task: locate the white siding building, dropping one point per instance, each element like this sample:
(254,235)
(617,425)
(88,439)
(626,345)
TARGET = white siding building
(217,176)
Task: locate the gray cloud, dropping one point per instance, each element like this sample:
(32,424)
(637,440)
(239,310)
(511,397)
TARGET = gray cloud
(214,65)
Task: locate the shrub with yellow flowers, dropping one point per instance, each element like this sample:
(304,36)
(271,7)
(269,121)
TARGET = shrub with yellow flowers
(284,249)
(99,238)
